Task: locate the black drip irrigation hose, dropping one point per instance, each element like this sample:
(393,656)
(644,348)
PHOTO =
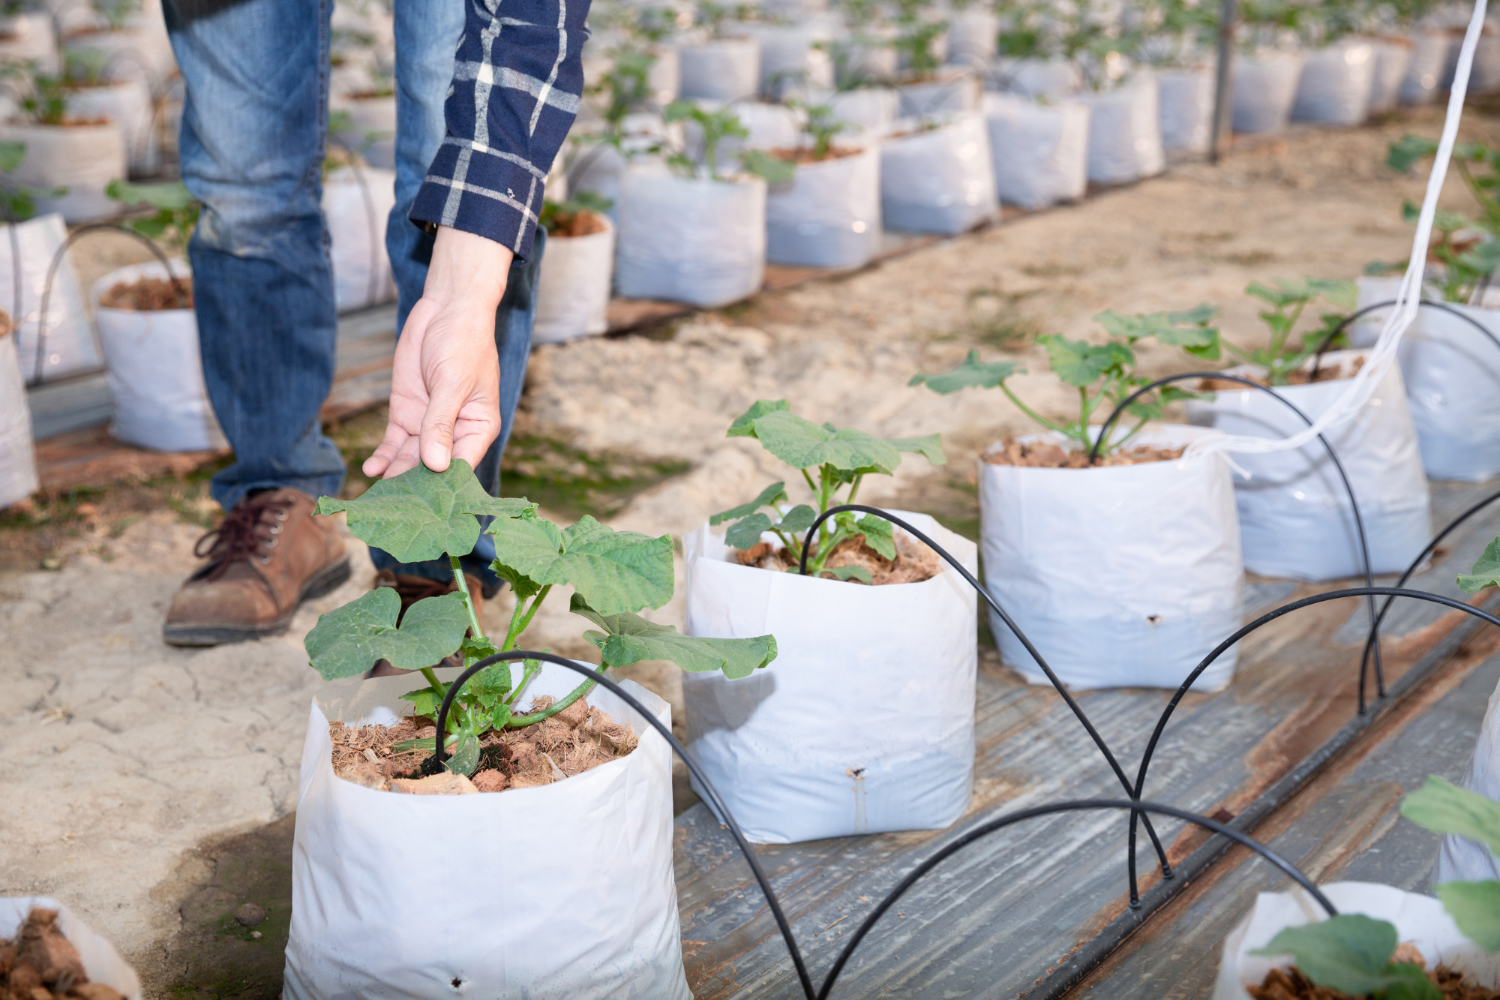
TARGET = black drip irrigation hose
(1424,303)
(1136,807)
(1067,696)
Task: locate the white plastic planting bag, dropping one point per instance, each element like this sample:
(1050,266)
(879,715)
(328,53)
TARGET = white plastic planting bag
(558,892)
(1187,108)
(973,36)
(1392,60)
(1265,85)
(1125,131)
(865,721)
(789,58)
(1040,151)
(371,131)
(1121,576)
(829,215)
(720,69)
(28,37)
(17,455)
(1336,84)
(154,370)
(870,110)
(952,91)
(79,160)
(1418,919)
(128,104)
(68,346)
(357,202)
(689,239)
(600,167)
(1452,376)
(938,180)
(1295,519)
(572,298)
(1429,60)
(1039,77)
(101,963)
(1461,860)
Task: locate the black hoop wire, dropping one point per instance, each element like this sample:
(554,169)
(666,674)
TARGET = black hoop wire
(1357,314)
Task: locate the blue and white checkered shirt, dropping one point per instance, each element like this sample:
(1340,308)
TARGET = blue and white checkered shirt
(517,82)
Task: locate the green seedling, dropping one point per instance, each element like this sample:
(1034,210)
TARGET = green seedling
(44,98)
(117,13)
(821,126)
(1486,572)
(716,126)
(1101,373)
(17,201)
(85,68)
(834,462)
(915,42)
(422,515)
(626,88)
(1288,300)
(559,215)
(1477,164)
(176,212)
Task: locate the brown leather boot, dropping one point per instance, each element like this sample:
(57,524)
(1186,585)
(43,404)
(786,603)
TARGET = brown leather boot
(412,589)
(267,556)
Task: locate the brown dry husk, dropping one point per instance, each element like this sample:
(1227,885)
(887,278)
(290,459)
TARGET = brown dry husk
(571,224)
(805,154)
(914,561)
(1291,984)
(1326,373)
(1049,455)
(149,295)
(577,739)
(40,963)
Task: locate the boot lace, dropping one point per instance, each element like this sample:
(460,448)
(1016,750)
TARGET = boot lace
(252,525)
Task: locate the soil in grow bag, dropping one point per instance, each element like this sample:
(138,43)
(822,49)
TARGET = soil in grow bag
(914,561)
(40,963)
(572,224)
(577,739)
(1291,984)
(1047,455)
(1302,376)
(807,154)
(150,295)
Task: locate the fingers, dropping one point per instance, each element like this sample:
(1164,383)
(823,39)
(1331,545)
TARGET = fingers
(474,439)
(443,404)
(385,454)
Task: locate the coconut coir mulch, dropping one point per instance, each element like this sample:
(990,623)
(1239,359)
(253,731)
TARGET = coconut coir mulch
(40,963)
(1046,455)
(149,295)
(577,739)
(1302,376)
(914,561)
(1291,984)
(572,224)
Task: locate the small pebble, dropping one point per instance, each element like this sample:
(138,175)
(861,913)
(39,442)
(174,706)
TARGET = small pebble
(256,935)
(249,914)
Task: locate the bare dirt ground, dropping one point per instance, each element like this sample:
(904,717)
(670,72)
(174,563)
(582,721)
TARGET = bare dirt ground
(148,787)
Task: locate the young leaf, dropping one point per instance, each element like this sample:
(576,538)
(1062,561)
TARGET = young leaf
(847,573)
(798,519)
(1079,363)
(929,447)
(12,153)
(744,424)
(774,493)
(879,534)
(771,169)
(1349,952)
(424,701)
(628,639)
(803,444)
(614,571)
(971,374)
(349,640)
(1475,908)
(1486,571)
(1443,807)
(1408,152)
(745,533)
(421,514)
(465,756)
(1409,982)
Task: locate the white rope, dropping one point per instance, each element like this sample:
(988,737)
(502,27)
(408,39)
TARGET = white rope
(1362,386)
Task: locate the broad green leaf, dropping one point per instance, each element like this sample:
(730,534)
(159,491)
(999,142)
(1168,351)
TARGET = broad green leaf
(1409,982)
(929,447)
(500,718)
(489,686)
(1280,296)
(421,514)
(12,153)
(745,533)
(1475,908)
(172,195)
(1344,294)
(803,444)
(848,573)
(1079,363)
(1443,807)
(774,493)
(628,639)
(744,424)
(614,571)
(879,534)
(1349,952)
(349,640)
(798,519)
(1188,330)
(424,701)
(1485,572)
(1409,151)
(771,169)
(465,757)
(973,373)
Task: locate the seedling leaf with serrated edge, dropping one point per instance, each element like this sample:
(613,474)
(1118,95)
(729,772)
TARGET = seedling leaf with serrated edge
(1486,571)
(1443,807)
(775,493)
(347,641)
(1475,908)
(1350,952)
(972,374)
(628,639)
(614,571)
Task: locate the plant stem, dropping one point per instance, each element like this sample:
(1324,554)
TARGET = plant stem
(529,669)
(1030,412)
(536,604)
(555,707)
(463,588)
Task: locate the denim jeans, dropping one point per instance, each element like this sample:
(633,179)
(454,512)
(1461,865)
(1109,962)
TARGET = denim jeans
(254,129)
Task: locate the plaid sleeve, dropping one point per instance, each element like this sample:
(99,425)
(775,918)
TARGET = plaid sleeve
(517,80)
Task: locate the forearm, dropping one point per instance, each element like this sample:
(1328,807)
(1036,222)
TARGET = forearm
(467,268)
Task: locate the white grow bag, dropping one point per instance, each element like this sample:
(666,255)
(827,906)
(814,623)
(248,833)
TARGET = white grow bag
(372,129)
(1336,84)
(973,36)
(1121,576)
(1461,860)
(789,58)
(28,37)
(572,298)
(82,159)
(1295,519)
(1125,132)
(1392,61)
(1418,919)
(1187,109)
(952,91)
(357,203)
(720,69)
(1452,376)
(689,240)
(865,721)
(1429,61)
(1265,85)
(870,110)
(154,370)
(374,910)
(69,344)
(829,215)
(1039,77)
(128,104)
(101,963)
(17,455)
(938,180)
(1040,151)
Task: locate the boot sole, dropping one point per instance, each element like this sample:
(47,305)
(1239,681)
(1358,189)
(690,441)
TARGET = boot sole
(326,579)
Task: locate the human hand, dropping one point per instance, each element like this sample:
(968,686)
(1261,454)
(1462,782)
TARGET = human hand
(445,378)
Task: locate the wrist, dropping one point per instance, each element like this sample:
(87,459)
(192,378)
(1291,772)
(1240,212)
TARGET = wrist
(467,268)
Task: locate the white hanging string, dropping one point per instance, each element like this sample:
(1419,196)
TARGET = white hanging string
(1362,386)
